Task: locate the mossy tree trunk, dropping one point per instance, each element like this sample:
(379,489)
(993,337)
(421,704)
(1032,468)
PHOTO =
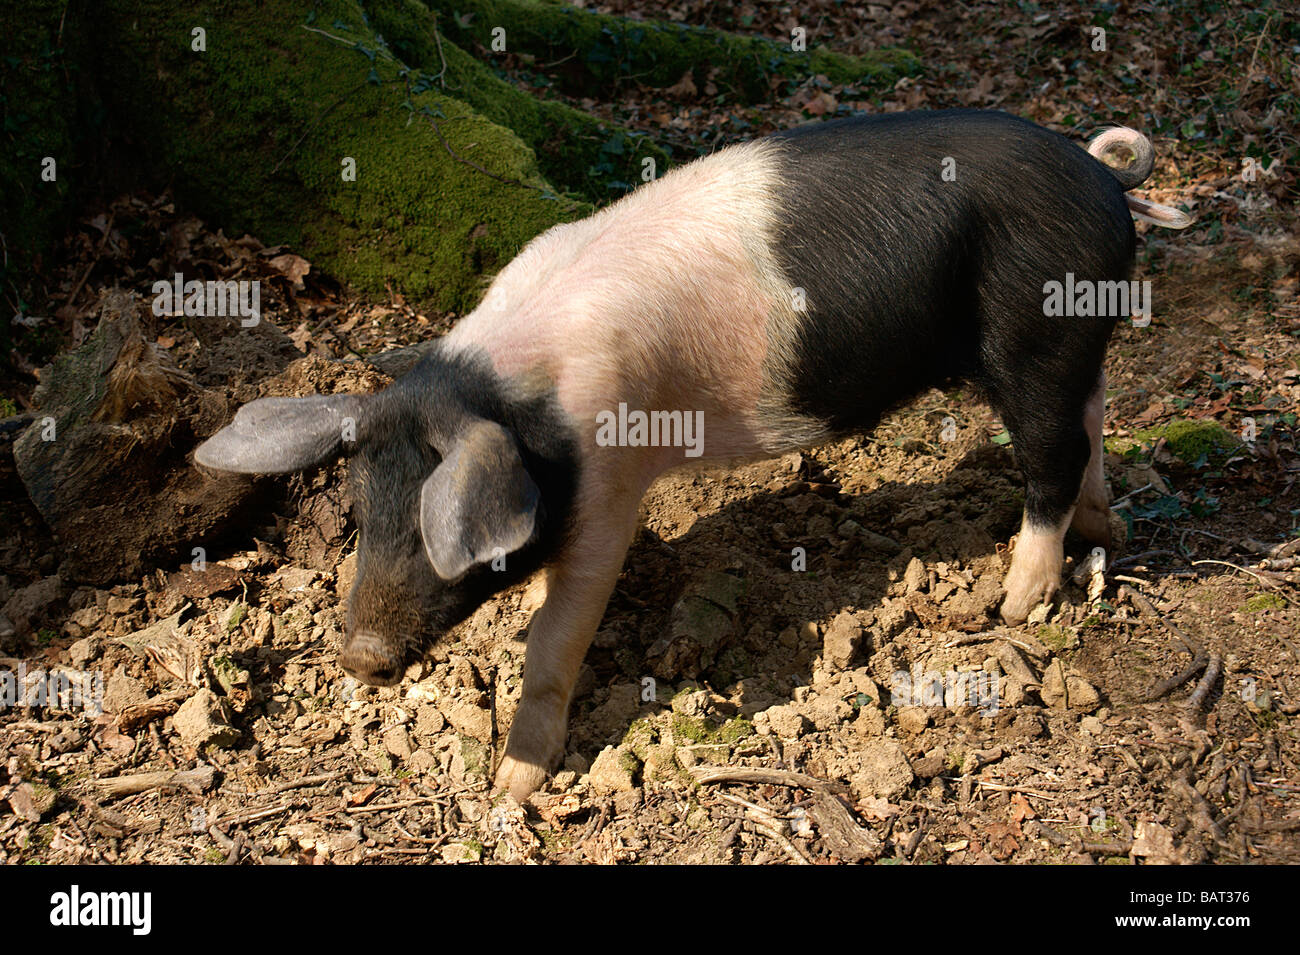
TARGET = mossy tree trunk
(259,122)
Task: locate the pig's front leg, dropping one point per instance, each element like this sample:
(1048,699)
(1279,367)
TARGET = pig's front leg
(577,589)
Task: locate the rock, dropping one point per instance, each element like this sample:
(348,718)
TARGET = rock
(429,720)
(661,764)
(398,742)
(469,720)
(26,607)
(458,852)
(201,721)
(851,529)
(870,722)
(1153,841)
(121,691)
(424,762)
(1070,691)
(84,651)
(117,606)
(701,622)
(841,642)
(927,767)
(345,575)
(193,584)
(611,718)
(912,719)
(826,712)
(31,802)
(691,703)
(885,771)
(1092,726)
(976,603)
(534,594)
(786,721)
(892,618)
(627,803)
(614,770)
(914,577)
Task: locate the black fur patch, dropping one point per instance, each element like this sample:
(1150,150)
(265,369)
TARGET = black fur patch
(404,434)
(911,280)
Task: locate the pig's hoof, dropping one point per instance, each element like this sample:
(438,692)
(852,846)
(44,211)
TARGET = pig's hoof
(519,778)
(1023,597)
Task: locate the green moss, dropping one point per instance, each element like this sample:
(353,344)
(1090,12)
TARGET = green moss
(1264,602)
(1057,638)
(699,731)
(474,754)
(596,51)
(574,150)
(236,617)
(255,130)
(640,736)
(1189,441)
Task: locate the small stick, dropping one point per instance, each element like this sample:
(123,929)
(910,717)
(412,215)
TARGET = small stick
(704,775)
(1245,570)
(1197,699)
(1145,606)
(300,783)
(403,804)
(244,817)
(1011,789)
(195,780)
(1171,684)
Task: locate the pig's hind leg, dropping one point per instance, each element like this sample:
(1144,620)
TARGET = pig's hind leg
(1049,421)
(1092,514)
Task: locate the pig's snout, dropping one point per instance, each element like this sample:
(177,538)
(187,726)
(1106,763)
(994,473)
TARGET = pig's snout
(371,659)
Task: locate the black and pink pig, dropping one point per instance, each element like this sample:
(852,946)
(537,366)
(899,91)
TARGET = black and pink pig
(774,295)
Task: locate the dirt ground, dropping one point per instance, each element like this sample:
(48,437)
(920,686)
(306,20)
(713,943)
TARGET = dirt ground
(801,661)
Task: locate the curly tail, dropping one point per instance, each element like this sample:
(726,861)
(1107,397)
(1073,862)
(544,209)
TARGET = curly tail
(1138,158)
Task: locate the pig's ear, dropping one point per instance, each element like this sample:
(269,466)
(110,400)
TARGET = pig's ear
(277,435)
(479,503)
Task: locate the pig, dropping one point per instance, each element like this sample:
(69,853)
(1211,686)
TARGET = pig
(778,294)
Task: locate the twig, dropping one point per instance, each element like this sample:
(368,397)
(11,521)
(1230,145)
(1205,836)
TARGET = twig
(300,783)
(99,251)
(315,122)
(251,816)
(1245,570)
(1118,501)
(473,165)
(195,780)
(1145,606)
(441,73)
(704,775)
(1171,684)
(1011,789)
(1212,670)
(1138,558)
(403,804)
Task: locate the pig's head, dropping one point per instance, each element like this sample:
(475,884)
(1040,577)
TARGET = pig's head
(447,510)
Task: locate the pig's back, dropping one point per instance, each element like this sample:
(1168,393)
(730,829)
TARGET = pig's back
(911,277)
